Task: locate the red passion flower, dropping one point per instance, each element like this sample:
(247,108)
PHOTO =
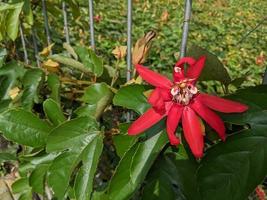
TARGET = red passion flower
(180,100)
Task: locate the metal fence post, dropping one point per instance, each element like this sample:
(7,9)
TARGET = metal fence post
(187,15)
(23,44)
(47,31)
(91,23)
(65,17)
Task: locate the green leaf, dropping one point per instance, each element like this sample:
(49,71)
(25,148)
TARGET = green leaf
(26,196)
(54,85)
(90,60)
(31,83)
(134,166)
(98,94)
(84,181)
(27,10)
(132,97)
(212,64)
(73,135)
(70,50)
(12,20)
(53,112)
(7,157)
(24,128)
(61,169)
(173,176)
(71,63)
(9,74)
(79,140)
(232,170)
(123,141)
(21,185)
(37,178)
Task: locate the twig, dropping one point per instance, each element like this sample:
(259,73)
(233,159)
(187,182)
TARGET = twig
(187,15)
(46,23)
(66,28)
(91,23)
(252,30)
(23,44)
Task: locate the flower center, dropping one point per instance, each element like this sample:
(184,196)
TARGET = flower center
(183,91)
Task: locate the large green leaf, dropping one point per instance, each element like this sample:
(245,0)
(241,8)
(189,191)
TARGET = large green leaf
(31,83)
(73,135)
(53,112)
(232,170)
(212,64)
(98,96)
(61,169)
(132,97)
(123,141)
(173,176)
(37,178)
(12,20)
(90,60)
(134,166)
(84,181)
(79,140)
(24,128)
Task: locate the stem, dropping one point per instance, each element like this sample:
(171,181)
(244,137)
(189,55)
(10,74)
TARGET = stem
(35,46)
(91,23)
(48,37)
(66,28)
(115,77)
(23,44)
(187,15)
(252,30)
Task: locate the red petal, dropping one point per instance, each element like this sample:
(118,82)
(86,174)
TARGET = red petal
(153,78)
(145,121)
(210,117)
(194,71)
(193,132)
(178,76)
(222,105)
(157,98)
(173,119)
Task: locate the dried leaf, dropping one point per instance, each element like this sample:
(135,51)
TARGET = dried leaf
(51,66)
(165,16)
(46,51)
(142,47)
(120,52)
(13,93)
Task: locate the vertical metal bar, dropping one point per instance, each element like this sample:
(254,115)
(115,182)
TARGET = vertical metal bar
(35,46)
(187,15)
(91,23)
(129,40)
(129,47)
(48,37)
(23,44)
(66,28)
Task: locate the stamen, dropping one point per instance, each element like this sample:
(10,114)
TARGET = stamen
(177,69)
(183,91)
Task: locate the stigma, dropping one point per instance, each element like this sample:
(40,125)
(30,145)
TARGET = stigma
(182,92)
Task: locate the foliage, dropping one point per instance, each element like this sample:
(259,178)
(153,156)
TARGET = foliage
(63,125)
